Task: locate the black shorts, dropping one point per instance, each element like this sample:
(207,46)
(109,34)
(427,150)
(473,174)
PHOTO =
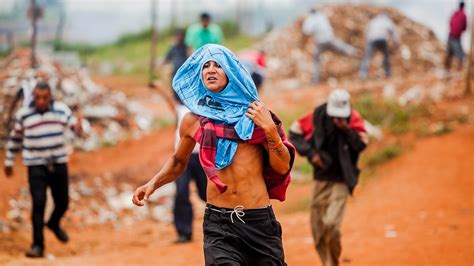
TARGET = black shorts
(231,238)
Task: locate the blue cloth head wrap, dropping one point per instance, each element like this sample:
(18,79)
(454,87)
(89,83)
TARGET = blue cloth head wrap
(227,106)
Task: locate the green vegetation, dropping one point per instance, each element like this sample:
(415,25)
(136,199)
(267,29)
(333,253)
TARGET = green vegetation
(302,165)
(288,116)
(130,54)
(437,129)
(303,204)
(382,155)
(4,54)
(158,123)
(398,119)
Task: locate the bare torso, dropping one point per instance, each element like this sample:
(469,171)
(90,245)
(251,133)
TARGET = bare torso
(244,178)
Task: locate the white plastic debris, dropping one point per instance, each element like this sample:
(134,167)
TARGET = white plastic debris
(389,91)
(411,95)
(373,131)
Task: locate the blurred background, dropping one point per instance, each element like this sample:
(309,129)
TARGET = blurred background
(106,59)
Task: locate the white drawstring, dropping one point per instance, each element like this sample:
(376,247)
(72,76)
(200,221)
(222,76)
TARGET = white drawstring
(239,212)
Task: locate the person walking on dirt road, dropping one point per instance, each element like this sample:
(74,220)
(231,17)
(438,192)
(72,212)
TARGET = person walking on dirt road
(39,132)
(331,138)
(244,153)
(182,209)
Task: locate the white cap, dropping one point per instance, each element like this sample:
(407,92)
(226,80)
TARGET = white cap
(339,103)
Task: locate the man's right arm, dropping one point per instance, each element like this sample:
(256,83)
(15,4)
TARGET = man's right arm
(15,101)
(175,165)
(464,23)
(394,34)
(13,145)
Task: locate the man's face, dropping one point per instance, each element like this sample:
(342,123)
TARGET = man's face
(214,77)
(205,22)
(336,120)
(340,122)
(42,98)
(180,37)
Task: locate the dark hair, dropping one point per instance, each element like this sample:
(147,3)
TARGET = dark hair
(461,5)
(42,85)
(180,31)
(205,15)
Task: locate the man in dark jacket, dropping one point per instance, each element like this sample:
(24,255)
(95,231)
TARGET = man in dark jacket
(331,138)
(457,25)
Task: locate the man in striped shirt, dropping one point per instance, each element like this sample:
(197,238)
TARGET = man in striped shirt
(39,132)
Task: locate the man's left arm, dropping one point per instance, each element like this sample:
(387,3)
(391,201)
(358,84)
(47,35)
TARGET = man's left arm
(357,140)
(14,144)
(279,154)
(74,122)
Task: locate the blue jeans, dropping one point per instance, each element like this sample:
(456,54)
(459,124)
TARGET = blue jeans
(454,48)
(335,45)
(372,46)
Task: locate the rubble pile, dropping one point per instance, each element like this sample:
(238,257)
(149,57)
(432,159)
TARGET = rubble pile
(94,203)
(111,115)
(289,58)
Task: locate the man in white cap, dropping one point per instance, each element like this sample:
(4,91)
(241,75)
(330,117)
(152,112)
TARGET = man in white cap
(331,137)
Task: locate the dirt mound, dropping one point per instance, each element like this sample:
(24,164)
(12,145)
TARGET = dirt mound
(288,57)
(109,113)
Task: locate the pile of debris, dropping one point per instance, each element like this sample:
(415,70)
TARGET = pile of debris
(109,115)
(94,203)
(289,58)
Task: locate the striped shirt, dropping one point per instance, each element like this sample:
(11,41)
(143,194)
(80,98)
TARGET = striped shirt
(40,136)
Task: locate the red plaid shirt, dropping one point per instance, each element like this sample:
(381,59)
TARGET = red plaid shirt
(207,136)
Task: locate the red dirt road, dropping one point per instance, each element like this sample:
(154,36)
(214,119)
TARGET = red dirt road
(417,209)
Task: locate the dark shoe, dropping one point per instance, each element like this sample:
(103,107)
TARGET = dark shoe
(35,252)
(183,239)
(60,234)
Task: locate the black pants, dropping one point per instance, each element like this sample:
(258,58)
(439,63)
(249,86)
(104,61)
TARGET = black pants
(229,241)
(183,210)
(39,179)
(257,79)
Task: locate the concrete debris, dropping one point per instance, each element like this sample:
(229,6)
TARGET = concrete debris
(412,95)
(289,58)
(373,131)
(437,92)
(110,113)
(389,91)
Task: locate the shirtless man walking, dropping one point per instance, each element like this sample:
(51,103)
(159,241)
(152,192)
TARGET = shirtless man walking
(244,153)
